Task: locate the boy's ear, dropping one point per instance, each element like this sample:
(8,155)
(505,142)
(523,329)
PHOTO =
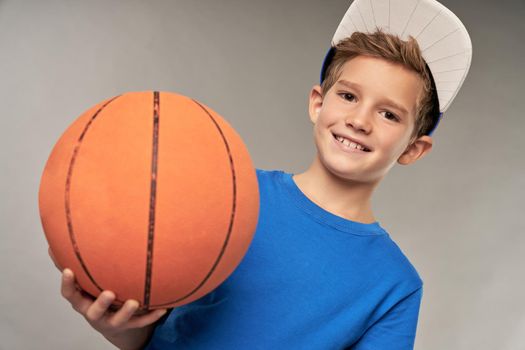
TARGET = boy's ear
(315,102)
(415,150)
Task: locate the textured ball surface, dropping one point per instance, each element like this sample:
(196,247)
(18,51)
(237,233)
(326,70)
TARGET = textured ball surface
(152,195)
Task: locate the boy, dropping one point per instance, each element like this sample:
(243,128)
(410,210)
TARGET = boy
(321,273)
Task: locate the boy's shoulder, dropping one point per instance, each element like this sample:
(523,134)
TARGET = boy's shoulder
(266,176)
(267,172)
(382,247)
(404,266)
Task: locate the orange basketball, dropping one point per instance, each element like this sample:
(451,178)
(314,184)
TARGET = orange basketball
(152,195)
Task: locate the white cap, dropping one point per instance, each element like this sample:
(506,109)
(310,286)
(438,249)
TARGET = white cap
(442,38)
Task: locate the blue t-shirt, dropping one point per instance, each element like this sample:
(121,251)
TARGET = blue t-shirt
(309,280)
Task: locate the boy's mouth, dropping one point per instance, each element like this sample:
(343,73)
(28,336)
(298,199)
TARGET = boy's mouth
(351,143)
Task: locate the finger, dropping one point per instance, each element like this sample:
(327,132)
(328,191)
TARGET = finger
(124,314)
(100,306)
(70,292)
(147,319)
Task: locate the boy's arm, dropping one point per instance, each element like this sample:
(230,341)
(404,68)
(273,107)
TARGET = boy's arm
(396,329)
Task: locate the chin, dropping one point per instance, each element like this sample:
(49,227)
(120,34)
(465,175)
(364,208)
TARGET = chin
(343,173)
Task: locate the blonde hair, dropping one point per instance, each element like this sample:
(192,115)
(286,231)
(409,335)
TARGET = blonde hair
(391,48)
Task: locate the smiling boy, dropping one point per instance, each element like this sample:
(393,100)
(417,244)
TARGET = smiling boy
(373,104)
(321,273)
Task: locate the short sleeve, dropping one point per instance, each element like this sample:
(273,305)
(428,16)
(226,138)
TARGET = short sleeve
(396,330)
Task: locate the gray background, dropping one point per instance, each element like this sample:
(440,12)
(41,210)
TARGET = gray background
(456,214)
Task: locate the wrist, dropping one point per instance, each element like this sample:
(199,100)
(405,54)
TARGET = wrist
(133,339)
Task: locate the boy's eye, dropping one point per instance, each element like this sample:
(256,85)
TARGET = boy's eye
(348,96)
(391,116)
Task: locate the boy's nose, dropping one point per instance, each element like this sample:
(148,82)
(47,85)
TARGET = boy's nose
(359,120)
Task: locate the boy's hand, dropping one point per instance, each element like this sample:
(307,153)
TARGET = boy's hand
(121,327)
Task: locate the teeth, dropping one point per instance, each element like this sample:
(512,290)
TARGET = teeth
(348,143)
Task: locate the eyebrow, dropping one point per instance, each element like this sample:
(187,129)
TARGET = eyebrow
(384,100)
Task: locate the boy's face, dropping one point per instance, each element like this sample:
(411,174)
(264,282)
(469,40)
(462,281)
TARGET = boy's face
(374,103)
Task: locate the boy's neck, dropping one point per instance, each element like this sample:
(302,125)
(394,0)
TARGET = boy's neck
(350,200)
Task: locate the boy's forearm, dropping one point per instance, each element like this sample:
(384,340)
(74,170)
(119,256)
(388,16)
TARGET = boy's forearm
(134,339)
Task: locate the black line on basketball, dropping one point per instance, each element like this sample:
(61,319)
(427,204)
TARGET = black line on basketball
(232,215)
(152,198)
(67,193)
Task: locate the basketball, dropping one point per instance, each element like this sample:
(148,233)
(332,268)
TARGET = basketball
(152,195)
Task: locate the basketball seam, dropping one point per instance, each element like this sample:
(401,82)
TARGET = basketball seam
(67,195)
(232,215)
(152,202)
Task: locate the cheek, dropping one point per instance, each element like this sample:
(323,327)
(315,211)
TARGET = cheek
(326,120)
(318,132)
(398,145)
(320,135)
(321,123)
